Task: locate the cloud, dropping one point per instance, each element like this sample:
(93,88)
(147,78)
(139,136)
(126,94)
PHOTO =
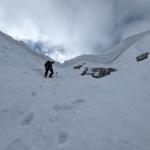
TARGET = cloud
(78,26)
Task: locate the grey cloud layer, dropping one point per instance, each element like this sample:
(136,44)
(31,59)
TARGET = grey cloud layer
(79,26)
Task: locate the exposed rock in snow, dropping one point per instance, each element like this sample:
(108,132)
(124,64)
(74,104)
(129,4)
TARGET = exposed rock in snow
(97,72)
(79,66)
(142,57)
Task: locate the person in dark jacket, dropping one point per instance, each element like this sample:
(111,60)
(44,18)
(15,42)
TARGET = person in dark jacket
(49,67)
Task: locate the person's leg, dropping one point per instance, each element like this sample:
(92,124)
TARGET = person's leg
(51,74)
(46,72)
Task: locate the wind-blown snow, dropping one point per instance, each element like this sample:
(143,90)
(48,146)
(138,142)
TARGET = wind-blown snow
(71,112)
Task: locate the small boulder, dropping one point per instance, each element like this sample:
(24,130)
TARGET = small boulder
(79,66)
(85,71)
(97,72)
(101,72)
(142,56)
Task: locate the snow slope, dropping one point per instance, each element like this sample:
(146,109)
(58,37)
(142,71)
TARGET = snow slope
(113,53)
(71,112)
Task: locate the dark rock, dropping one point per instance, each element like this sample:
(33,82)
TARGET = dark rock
(98,72)
(96,69)
(142,56)
(85,71)
(79,66)
(112,69)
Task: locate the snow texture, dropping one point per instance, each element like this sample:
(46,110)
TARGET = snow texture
(71,112)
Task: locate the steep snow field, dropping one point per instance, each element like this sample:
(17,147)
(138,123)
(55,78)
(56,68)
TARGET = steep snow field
(71,112)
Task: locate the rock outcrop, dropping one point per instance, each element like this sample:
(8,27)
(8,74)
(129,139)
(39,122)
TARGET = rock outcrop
(79,66)
(97,72)
(85,71)
(142,56)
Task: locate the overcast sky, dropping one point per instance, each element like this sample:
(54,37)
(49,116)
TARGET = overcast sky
(77,26)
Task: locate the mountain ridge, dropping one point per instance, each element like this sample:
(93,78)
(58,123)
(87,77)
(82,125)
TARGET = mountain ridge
(105,58)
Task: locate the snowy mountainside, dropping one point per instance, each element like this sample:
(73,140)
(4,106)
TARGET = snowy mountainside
(71,112)
(13,51)
(113,53)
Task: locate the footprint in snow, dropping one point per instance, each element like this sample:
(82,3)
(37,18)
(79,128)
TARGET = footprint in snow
(68,107)
(26,73)
(12,112)
(40,85)
(33,93)
(64,107)
(62,137)
(56,84)
(28,118)
(78,101)
(4,111)
(54,93)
